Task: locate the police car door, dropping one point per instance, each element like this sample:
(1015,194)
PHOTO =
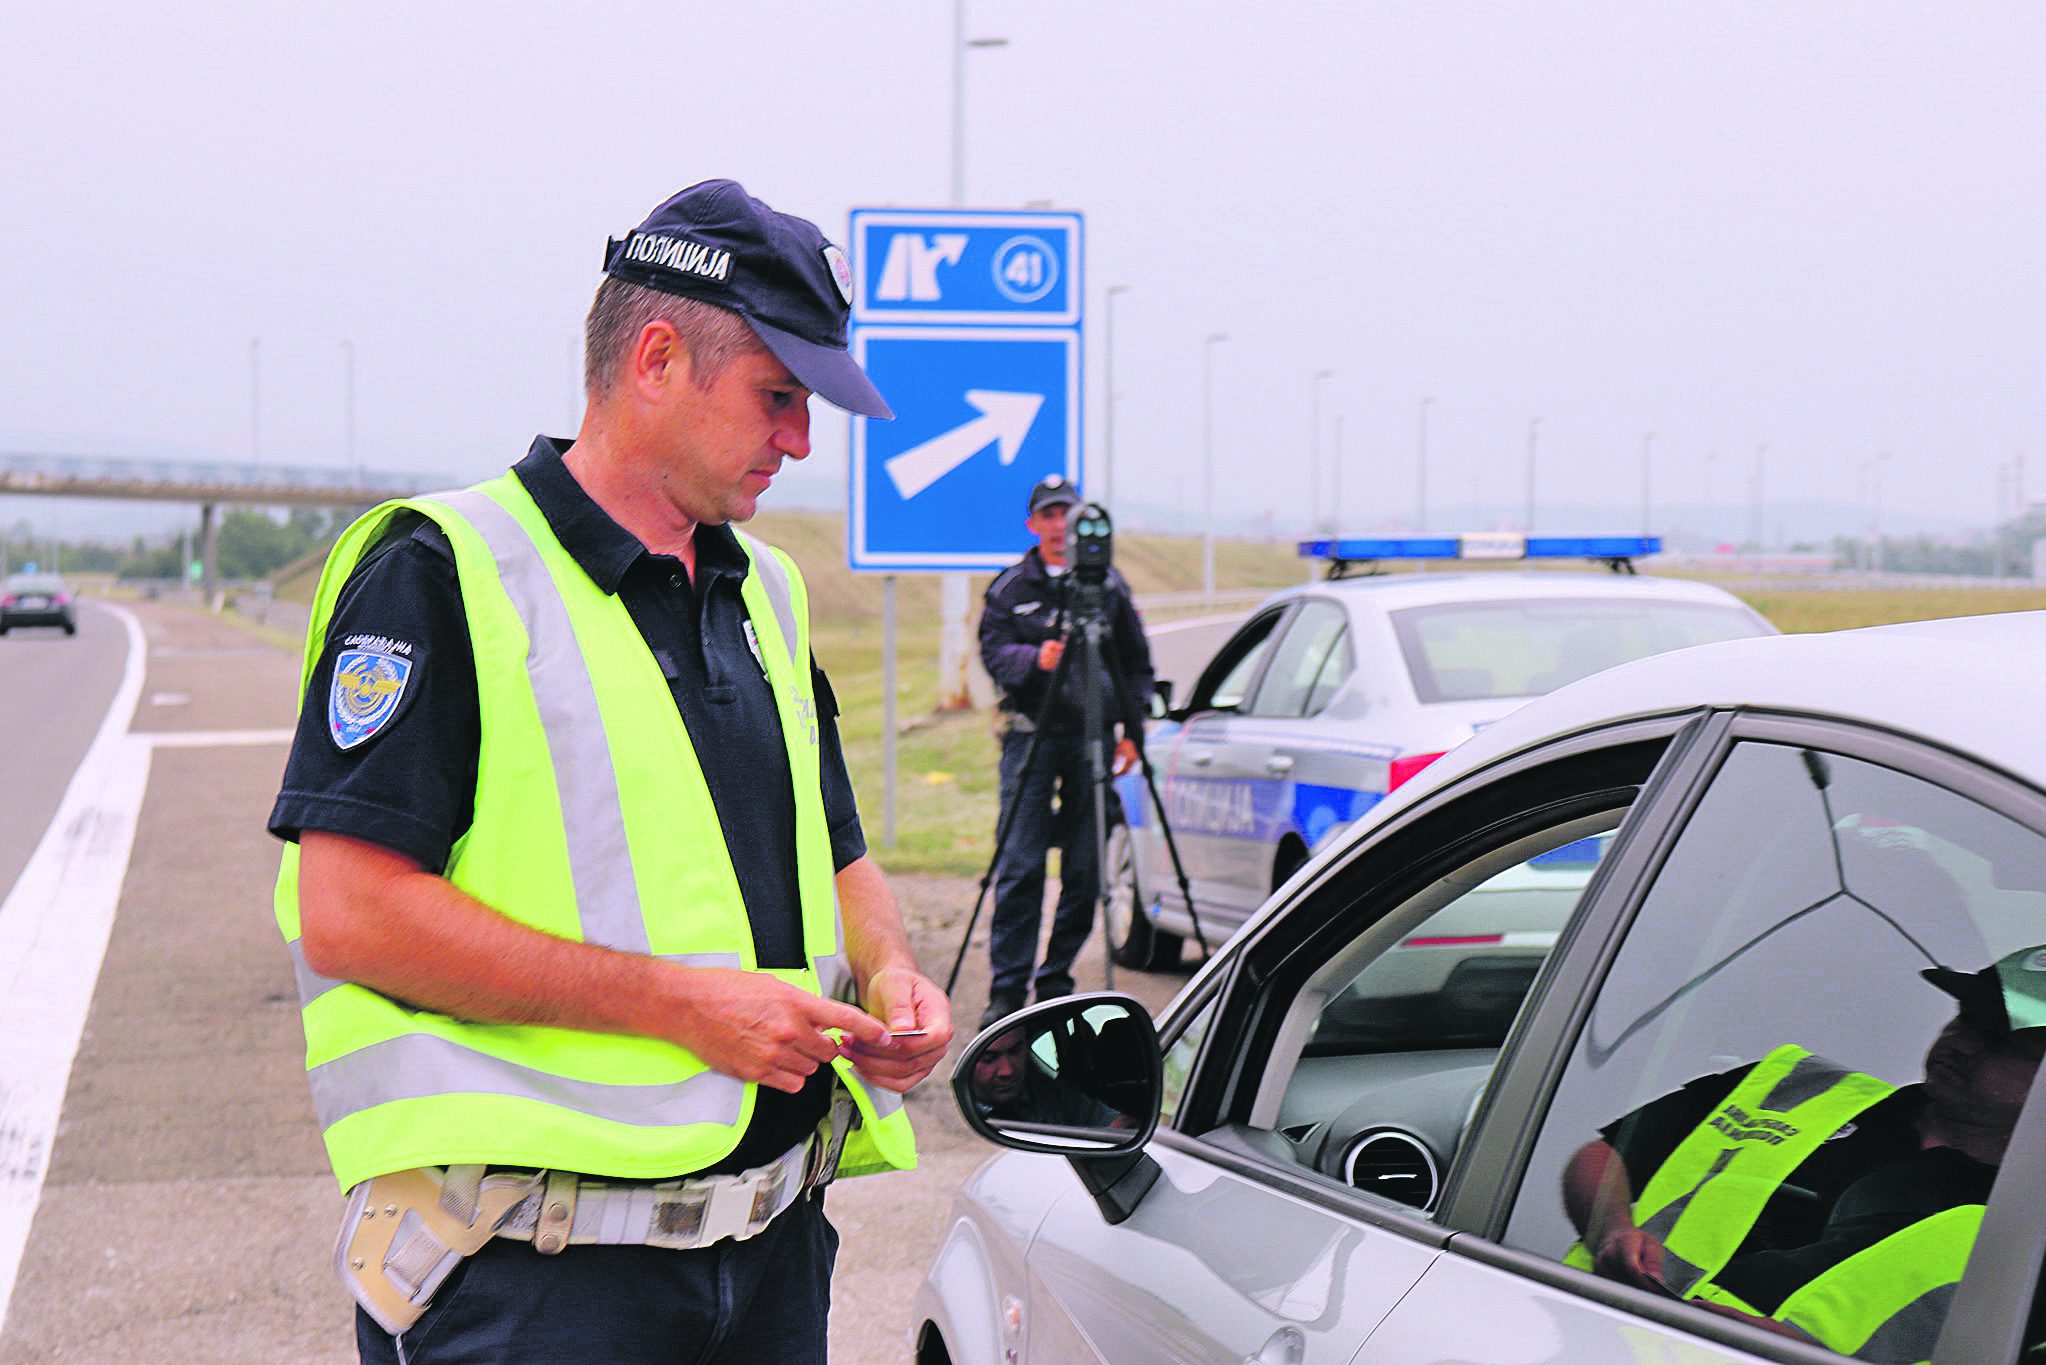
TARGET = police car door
(1210,785)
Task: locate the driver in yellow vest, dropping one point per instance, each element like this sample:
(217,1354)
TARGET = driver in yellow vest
(599,986)
(1821,1202)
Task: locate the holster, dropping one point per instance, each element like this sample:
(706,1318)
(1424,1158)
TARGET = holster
(405,1231)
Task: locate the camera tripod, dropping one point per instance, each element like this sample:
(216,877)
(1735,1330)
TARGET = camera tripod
(1085,631)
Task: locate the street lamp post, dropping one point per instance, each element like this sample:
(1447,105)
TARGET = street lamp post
(1335,497)
(1758,516)
(1421,471)
(1647,444)
(348,404)
(1874,470)
(1208,460)
(1107,498)
(1314,517)
(955,608)
(960,42)
(1532,424)
(255,401)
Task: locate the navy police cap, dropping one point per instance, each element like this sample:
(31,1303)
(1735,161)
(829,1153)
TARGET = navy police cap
(717,243)
(1052,490)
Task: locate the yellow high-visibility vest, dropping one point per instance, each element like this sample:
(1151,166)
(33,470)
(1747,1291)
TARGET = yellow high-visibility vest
(1887,1303)
(1704,1199)
(592,822)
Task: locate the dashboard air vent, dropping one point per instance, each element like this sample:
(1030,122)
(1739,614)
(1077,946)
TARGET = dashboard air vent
(1393,1165)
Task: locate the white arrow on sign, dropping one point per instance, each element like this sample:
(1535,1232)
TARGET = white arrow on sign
(1004,417)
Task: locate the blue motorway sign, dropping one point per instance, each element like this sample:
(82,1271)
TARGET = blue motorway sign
(981,414)
(966,268)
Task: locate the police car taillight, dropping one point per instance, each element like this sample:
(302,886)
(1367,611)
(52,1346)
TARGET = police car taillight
(1404,768)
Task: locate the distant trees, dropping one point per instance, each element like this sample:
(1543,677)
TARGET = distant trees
(251,545)
(2005,552)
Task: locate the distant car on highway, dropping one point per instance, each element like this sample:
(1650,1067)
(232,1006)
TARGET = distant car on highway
(1347,1139)
(37,599)
(1333,694)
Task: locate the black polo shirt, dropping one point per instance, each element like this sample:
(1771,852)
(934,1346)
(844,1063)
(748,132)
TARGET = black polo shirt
(410,785)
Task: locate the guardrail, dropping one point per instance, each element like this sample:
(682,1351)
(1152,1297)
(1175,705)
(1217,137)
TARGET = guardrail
(1168,606)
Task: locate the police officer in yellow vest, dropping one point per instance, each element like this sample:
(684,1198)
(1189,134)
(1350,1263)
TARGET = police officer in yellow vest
(1821,1202)
(599,985)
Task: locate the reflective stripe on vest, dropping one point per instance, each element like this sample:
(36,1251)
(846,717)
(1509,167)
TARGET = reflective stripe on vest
(576,835)
(1887,1303)
(1704,1199)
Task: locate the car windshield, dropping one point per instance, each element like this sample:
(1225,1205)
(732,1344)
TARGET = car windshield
(35,582)
(1471,651)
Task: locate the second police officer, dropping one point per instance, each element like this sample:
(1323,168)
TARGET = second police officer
(1022,637)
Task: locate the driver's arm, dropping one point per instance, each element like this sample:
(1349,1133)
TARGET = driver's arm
(1600,1202)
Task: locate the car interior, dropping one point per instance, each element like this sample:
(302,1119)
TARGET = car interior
(1383,1055)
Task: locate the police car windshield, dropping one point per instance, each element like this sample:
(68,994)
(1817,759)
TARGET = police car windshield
(35,582)
(1473,651)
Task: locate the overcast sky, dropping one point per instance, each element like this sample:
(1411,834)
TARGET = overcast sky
(1808,226)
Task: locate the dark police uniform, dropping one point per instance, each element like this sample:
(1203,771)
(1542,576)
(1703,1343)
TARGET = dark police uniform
(1024,607)
(409,787)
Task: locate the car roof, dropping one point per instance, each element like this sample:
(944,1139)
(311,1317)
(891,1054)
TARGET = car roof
(1392,592)
(1966,683)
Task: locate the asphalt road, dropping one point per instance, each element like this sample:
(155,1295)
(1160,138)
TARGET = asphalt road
(185,1211)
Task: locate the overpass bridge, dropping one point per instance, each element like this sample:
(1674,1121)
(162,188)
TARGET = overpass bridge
(208,484)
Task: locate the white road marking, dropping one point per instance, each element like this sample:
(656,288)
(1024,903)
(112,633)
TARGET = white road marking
(211,739)
(54,927)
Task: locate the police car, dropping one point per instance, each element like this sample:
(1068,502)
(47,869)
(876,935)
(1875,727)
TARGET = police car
(1333,694)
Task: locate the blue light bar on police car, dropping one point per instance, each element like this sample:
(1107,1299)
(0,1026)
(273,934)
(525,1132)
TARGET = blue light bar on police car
(1481,545)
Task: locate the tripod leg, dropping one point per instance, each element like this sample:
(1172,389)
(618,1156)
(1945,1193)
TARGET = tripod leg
(1122,701)
(1005,822)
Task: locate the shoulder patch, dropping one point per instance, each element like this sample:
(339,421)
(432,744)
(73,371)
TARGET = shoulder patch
(368,685)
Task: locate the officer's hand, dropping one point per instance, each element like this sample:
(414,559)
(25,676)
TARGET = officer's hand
(1125,756)
(1048,654)
(905,1001)
(1631,1256)
(759,1028)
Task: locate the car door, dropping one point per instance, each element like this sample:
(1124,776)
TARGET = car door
(1302,778)
(1787,895)
(1319,1078)
(1209,770)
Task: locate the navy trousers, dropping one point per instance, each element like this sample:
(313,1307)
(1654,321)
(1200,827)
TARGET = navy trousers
(1054,808)
(730,1303)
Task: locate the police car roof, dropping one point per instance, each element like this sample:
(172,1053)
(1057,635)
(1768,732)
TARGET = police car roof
(1394,591)
(1967,683)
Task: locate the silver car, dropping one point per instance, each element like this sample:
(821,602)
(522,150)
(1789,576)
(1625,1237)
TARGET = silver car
(1347,1140)
(1333,694)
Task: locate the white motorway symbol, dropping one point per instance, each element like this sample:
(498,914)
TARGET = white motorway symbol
(1004,418)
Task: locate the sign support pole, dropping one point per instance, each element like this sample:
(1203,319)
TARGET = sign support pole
(888,711)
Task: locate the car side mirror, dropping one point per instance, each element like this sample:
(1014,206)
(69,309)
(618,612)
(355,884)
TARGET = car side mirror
(1079,1077)
(1161,698)
(1080,1074)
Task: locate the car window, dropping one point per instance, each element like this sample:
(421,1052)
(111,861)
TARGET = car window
(1465,651)
(1229,675)
(35,582)
(1309,662)
(1383,1055)
(1180,1056)
(1770,1108)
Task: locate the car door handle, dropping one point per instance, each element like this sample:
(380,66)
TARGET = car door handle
(1278,765)
(1200,758)
(1287,1346)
